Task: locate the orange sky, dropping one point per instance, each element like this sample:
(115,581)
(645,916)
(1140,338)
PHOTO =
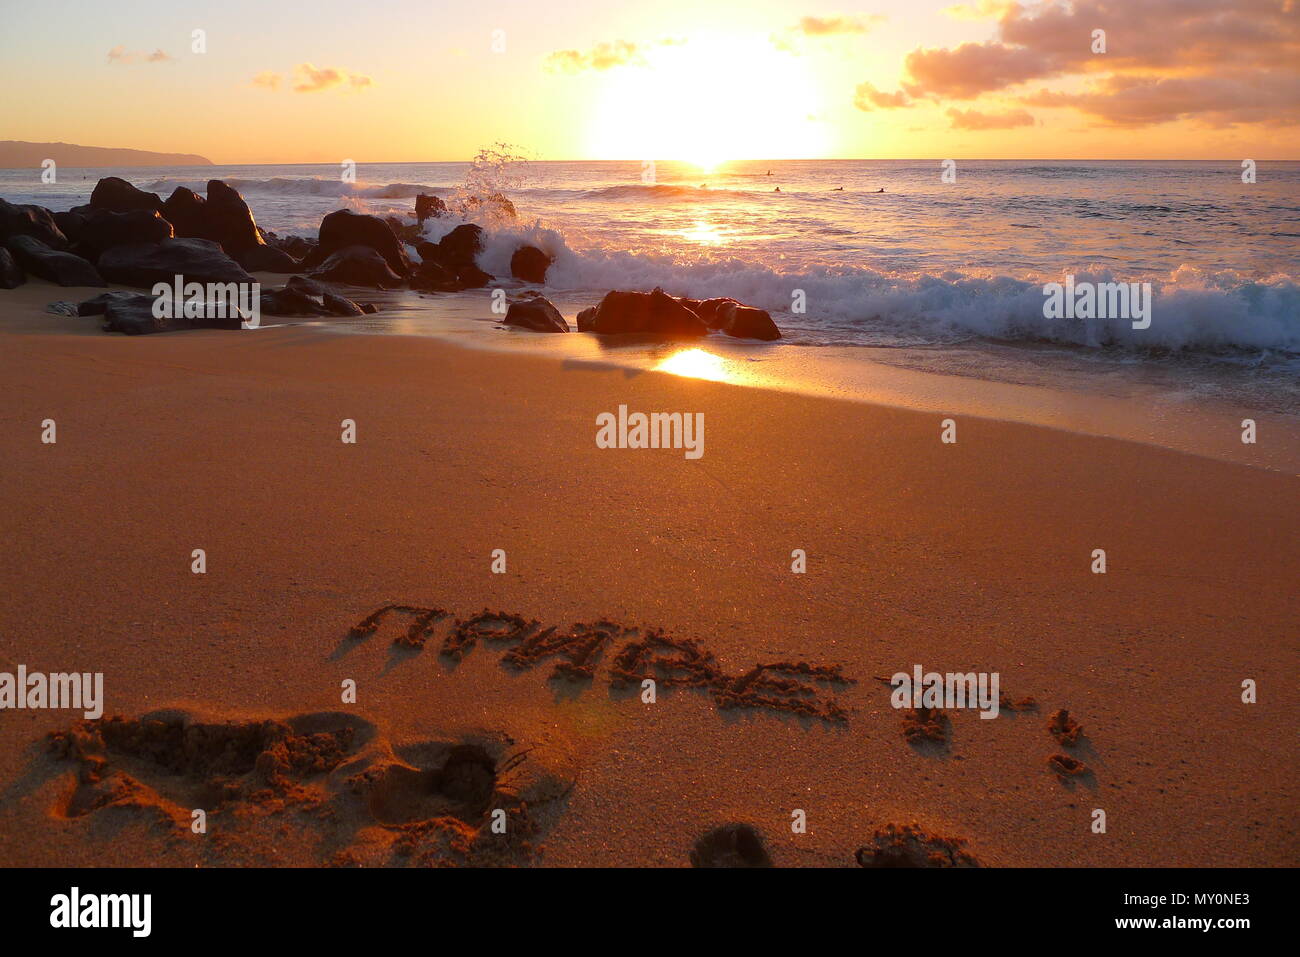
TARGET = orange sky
(719,79)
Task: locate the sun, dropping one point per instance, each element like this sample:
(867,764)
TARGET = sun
(707,100)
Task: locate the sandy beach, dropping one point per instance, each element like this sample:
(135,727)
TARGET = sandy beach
(973,556)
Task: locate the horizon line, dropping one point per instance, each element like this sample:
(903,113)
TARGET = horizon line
(841,159)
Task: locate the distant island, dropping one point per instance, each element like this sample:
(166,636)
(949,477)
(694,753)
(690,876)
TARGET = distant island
(17,154)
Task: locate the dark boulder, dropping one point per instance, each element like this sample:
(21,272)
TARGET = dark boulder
(433,276)
(196,260)
(35,221)
(426,206)
(133,314)
(223,217)
(709,310)
(358,266)
(184,209)
(98,305)
(343,228)
(746,322)
(405,232)
(118,196)
(267,259)
(530,264)
(62,308)
(461,246)
(369,308)
(585,318)
(342,306)
(298,247)
(308,287)
(290,302)
(228,220)
(653,313)
(54,266)
(11,274)
(104,230)
(430,276)
(536,314)
(71,222)
(295,246)
(471,277)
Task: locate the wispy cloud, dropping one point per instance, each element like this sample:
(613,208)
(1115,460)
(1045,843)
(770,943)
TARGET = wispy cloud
(823,27)
(981,10)
(268,80)
(867,97)
(120,54)
(975,120)
(308,78)
(605,55)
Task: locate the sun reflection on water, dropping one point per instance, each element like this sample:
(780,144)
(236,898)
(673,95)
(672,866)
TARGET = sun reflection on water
(704,232)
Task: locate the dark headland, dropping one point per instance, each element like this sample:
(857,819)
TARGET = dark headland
(15,154)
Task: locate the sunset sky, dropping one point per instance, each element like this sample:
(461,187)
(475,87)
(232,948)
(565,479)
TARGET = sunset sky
(701,80)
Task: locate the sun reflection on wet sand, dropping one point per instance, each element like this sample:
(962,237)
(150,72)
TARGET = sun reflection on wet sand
(698,364)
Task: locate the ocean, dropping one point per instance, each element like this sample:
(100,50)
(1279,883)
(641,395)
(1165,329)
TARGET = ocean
(946,276)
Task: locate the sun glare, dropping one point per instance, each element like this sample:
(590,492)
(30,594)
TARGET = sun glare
(707,100)
(696,364)
(704,233)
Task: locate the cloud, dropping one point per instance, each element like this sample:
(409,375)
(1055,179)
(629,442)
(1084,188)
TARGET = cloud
(983,10)
(307,78)
(823,27)
(268,80)
(975,120)
(866,97)
(603,56)
(828,26)
(120,54)
(973,69)
(1202,60)
(1215,101)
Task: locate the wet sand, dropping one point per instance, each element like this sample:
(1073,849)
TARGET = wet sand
(972,556)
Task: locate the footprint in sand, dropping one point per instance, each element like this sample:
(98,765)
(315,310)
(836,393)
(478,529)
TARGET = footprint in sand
(324,788)
(910,845)
(471,802)
(926,728)
(168,762)
(730,845)
(1067,767)
(1064,728)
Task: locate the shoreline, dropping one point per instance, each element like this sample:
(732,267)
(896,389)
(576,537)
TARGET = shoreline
(965,556)
(1137,411)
